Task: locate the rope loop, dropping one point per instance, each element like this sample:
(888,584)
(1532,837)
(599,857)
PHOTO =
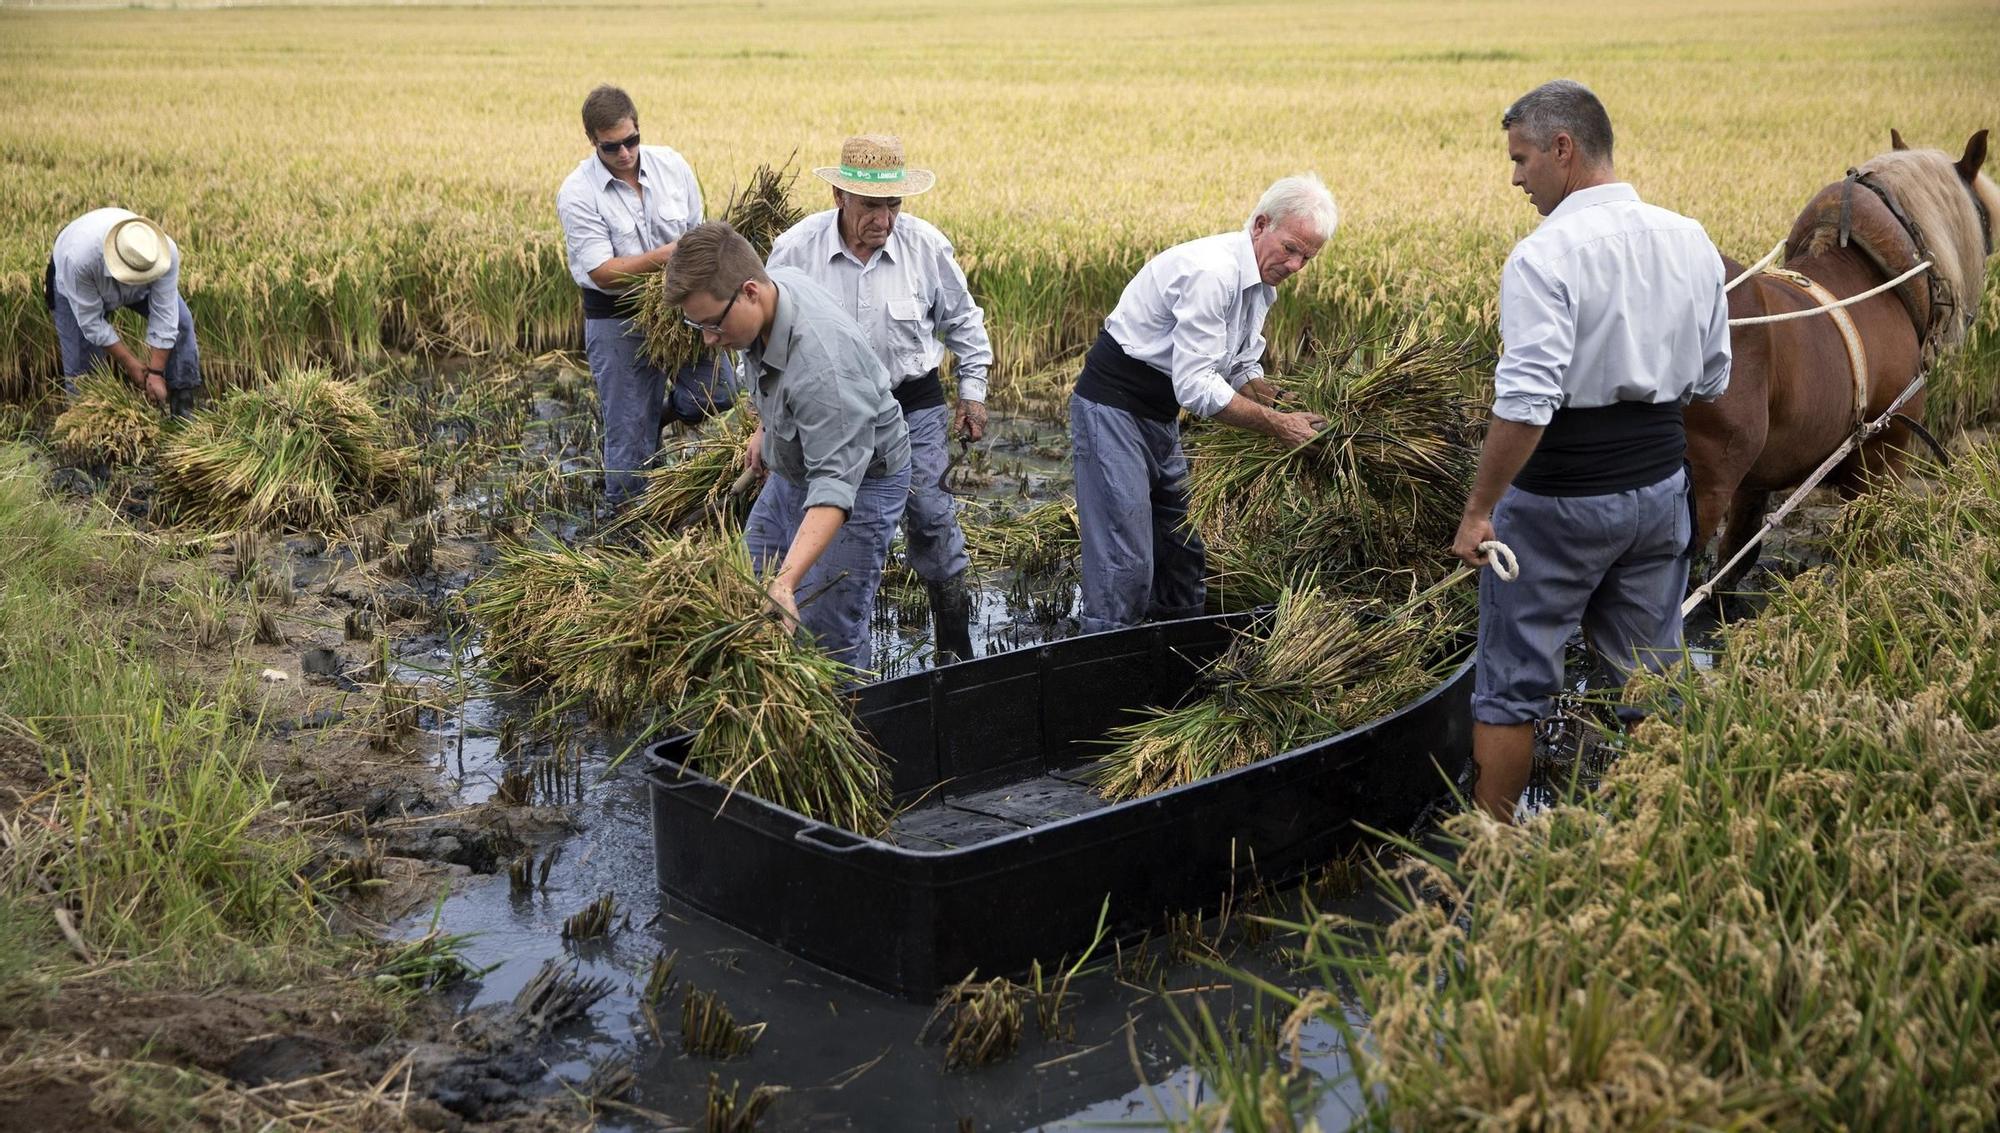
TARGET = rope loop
(1501,558)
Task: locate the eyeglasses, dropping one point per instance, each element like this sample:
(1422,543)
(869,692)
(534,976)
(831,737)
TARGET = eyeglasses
(716,326)
(630,141)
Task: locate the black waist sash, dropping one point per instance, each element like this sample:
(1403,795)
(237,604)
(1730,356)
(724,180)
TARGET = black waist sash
(921,392)
(1613,448)
(604,305)
(1114,378)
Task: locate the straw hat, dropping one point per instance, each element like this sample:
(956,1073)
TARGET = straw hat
(136,250)
(871,165)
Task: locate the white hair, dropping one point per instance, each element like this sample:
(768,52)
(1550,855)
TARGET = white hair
(1302,195)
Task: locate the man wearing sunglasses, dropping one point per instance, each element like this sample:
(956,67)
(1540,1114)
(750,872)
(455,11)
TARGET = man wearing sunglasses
(829,432)
(622,208)
(899,278)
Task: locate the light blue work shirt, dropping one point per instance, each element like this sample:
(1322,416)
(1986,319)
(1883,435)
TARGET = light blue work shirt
(603,218)
(82,279)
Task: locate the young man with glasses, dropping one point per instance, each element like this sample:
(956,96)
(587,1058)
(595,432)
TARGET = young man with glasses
(622,209)
(829,433)
(899,277)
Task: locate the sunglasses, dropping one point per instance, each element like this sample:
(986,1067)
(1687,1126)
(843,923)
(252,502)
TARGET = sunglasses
(630,141)
(716,326)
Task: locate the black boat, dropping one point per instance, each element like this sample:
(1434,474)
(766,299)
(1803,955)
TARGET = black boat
(1003,853)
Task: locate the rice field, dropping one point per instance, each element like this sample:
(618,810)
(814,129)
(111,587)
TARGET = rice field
(348,180)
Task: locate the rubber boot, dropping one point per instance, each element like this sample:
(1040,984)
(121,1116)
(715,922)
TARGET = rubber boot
(180,402)
(951,619)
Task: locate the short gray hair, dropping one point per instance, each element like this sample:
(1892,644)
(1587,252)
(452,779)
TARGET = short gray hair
(1302,195)
(1563,106)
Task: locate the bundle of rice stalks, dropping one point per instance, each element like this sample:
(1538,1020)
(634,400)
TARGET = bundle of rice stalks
(679,625)
(982,1022)
(1326,665)
(107,422)
(1382,486)
(760,211)
(303,452)
(709,1030)
(1035,541)
(704,482)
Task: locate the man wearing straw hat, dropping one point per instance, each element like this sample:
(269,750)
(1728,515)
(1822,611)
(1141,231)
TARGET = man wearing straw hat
(899,278)
(622,208)
(1188,333)
(829,432)
(1614,316)
(111,259)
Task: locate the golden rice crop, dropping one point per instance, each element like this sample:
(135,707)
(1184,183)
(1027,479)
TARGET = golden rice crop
(107,421)
(303,452)
(703,482)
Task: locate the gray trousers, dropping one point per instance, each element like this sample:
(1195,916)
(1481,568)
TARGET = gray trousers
(79,354)
(1615,563)
(636,399)
(931,533)
(837,596)
(1142,559)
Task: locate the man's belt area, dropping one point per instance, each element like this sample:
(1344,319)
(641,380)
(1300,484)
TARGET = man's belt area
(1605,449)
(604,305)
(921,392)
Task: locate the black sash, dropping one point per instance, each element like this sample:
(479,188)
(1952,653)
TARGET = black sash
(1612,448)
(1114,378)
(604,305)
(921,392)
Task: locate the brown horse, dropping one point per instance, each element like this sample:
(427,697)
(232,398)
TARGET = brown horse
(1791,399)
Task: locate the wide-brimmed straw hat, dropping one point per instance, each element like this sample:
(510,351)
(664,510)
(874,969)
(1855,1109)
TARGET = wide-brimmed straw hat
(871,165)
(136,250)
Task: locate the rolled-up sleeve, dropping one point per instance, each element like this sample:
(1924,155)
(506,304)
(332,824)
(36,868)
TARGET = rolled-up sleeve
(836,435)
(1538,330)
(163,307)
(1201,345)
(1715,356)
(86,302)
(960,324)
(1249,361)
(584,232)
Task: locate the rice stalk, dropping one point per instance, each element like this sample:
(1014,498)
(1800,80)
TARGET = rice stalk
(982,1022)
(704,481)
(1324,665)
(1381,488)
(591,921)
(710,1031)
(726,1113)
(760,211)
(304,452)
(107,422)
(553,996)
(1036,541)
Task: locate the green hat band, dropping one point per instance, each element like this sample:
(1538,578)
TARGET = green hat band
(853,174)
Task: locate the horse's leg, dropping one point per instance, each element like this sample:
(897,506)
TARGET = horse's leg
(1746,514)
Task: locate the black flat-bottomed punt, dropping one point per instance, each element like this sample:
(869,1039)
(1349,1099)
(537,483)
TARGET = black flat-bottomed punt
(1003,853)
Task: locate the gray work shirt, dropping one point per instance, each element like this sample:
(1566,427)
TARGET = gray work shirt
(823,397)
(603,218)
(93,294)
(909,294)
(1196,312)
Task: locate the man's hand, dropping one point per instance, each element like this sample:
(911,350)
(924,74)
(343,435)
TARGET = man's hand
(1473,529)
(1263,391)
(969,421)
(156,389)
(784,603)
(135,370)
(753,453)
(1295,429)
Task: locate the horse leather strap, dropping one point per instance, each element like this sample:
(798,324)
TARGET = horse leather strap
(1857,354)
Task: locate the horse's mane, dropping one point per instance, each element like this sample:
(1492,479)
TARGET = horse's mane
(1926,185)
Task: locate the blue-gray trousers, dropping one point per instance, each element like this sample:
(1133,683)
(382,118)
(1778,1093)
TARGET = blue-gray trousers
(1142,559)
(935,543)
(79,354)
(1616,563)
(636,399)
(837,596)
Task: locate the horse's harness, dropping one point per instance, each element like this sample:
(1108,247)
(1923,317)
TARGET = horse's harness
(1857,354)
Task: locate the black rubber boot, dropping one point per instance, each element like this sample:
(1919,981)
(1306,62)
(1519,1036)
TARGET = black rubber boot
(951,619)
(180,402)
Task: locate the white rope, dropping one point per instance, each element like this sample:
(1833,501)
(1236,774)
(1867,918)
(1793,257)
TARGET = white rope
(1777,250)
(1847,302)
(1825,466)
(1501,558)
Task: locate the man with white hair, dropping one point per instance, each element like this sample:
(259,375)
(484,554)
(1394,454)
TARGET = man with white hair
(1188,333)
(899,278)
(111,259)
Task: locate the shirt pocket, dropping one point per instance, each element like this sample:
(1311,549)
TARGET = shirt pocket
(624,236)
(907,335)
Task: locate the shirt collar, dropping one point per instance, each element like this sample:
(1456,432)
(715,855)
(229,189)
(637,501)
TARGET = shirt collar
(832,247)
(1252,276)
(611,179)
(778,340)
(1594,196)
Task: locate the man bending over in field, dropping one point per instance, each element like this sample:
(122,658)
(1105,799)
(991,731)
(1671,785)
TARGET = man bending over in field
(1613,316)
(829,432)
(110,259)
(1188,333)
(622,208)
(899,279)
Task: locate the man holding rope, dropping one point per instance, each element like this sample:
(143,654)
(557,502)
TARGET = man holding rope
(1614,316)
